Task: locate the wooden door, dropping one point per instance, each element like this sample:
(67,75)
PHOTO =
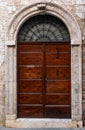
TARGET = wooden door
(44,80)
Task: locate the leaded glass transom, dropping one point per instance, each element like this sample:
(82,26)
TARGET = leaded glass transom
(43,28)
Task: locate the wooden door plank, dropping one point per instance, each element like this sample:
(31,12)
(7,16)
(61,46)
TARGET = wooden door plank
(30,86)
(30,72)
(30,59)
(30,48)
(58,86)
(30,111)
(26,98)
(57,59)
(57,99)
(57,112)
(53,48)
(58,73)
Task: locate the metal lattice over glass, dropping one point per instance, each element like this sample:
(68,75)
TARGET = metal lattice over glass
(43,28)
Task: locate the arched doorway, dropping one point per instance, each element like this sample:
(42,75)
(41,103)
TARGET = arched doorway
(44,69)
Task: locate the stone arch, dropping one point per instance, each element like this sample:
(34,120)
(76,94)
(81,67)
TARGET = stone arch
(76,66)
(21,16)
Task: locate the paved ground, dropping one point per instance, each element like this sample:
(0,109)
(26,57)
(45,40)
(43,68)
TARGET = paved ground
(3,128)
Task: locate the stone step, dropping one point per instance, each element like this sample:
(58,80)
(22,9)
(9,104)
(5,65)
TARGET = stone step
(3,128)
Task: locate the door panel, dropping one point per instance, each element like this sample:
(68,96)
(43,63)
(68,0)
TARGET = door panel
(30,98)
(58,47)
(30,72)
(62,86)
(57,81)
(57,58)
(30,111)
(52,99)
(30,48)
(57,112)
(44,80)
(30,59)
(57,54)
(57,73)
(30,80)
(30,86)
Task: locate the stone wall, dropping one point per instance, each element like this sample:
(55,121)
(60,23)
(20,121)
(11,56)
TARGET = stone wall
(8,9)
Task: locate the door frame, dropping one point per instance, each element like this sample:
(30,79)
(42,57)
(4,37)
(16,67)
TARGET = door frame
(10,69)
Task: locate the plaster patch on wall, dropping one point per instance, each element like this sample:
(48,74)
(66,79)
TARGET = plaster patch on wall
(1,59)
(81,15)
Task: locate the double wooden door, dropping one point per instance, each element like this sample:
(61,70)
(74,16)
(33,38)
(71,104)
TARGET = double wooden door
(43,80)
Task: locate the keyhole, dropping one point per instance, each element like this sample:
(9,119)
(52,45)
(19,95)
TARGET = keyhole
(57,53)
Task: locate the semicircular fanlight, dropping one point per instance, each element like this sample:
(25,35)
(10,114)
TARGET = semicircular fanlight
(43,28)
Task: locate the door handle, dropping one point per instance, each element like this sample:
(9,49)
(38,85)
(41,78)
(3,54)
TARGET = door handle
(57,72)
